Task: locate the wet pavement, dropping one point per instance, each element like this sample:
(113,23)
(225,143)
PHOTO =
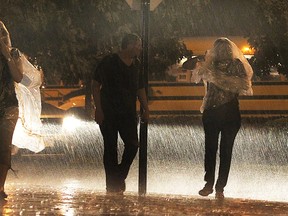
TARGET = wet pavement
(54,201)
(67,178)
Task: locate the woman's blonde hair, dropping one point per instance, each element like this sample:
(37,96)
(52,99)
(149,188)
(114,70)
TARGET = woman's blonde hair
(222,50)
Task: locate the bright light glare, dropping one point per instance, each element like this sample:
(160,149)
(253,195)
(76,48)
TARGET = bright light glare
(247,50)
(70,123)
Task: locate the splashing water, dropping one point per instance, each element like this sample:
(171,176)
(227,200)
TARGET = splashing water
(73,160)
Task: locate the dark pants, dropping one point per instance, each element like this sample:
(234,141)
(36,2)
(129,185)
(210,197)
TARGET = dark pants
(7,126)
(224,120)
(126,126)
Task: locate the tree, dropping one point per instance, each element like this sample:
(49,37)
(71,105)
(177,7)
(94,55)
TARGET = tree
(263,22)
(165,52)
(270,36)
(68,37)
(35,32)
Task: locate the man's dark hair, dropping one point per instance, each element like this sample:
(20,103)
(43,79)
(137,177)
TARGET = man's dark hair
(129,39)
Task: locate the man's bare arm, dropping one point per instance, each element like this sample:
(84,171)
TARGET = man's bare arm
(144,104)
(96,87)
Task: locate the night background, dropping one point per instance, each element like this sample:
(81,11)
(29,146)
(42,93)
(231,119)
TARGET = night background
(67,38)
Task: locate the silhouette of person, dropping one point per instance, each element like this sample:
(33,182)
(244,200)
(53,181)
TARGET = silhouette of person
(20,105)
(226,74)
(117,84)
(9,73)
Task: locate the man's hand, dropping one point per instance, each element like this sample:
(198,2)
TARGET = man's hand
(99,116)
(143,101)
(145,116)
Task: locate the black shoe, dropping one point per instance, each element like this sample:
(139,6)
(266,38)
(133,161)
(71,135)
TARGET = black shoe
(114,191)
(219,195)
(205,191)
(122,186)
(3,195)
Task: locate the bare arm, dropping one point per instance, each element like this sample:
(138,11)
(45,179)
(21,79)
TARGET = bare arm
(14,64)
(144,104)
(99,115)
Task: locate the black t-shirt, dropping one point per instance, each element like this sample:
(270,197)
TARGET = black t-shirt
(119,85)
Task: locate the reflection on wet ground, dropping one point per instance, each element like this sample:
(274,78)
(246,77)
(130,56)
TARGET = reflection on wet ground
(67,178)
(50,201)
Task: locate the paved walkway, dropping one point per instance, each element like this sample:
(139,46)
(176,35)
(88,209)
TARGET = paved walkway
(51,201)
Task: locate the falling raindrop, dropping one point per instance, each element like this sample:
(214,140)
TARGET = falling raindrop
(73,161)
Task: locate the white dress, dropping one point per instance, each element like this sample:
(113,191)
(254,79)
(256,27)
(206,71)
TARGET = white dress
(27,133)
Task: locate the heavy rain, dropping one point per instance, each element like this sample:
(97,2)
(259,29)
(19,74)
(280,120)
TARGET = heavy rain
(65,41)
(175,159)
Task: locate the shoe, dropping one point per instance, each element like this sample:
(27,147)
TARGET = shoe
(205,191)
(219,195)
(114,191)
(3,195)
(122,186)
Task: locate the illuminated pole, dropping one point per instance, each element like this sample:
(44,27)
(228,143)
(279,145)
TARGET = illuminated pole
(142,186)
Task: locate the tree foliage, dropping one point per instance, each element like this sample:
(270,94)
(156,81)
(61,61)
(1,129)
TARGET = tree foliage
(263,22)
(270,36)
(68,37)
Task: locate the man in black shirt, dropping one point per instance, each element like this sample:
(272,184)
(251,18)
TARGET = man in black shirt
(116,85)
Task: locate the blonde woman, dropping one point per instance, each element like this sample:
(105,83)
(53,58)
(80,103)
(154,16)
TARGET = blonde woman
(226,75)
